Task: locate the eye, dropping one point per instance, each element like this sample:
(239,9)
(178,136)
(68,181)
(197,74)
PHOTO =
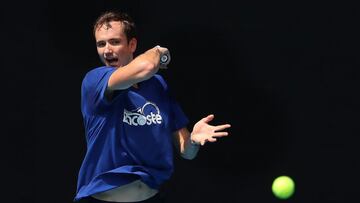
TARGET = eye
(100,44)
(114,41)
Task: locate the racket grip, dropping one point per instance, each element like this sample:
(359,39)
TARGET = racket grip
(165,59)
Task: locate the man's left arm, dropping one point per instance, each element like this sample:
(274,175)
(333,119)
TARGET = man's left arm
(183,143)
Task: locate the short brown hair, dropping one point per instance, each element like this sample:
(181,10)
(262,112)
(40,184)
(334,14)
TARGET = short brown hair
(124,18)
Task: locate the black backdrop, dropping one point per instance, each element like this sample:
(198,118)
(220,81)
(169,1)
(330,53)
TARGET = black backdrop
(285,75)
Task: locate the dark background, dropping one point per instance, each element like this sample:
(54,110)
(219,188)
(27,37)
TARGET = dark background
(285,75)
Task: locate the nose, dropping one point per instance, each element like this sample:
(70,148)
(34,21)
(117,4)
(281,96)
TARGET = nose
(107,49)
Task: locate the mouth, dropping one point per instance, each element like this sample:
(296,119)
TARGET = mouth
(111,61)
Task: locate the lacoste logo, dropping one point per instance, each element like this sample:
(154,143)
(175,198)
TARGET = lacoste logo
(148,114)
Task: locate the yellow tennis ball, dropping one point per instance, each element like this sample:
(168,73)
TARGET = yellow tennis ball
(283,187)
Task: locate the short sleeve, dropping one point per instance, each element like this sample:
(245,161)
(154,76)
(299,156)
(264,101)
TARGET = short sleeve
(178,117)
(93,89)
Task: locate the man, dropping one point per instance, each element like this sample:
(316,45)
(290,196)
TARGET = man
(131,121)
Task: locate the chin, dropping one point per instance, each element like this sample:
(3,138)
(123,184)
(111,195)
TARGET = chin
(112,65)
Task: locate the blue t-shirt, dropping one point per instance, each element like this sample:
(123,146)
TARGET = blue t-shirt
(128,137)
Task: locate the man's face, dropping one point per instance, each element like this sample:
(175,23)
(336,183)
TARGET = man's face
(112,45)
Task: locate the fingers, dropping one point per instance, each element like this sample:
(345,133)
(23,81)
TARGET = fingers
(162,50)
(220,134)
(210,133)
(208,118)
(211,139)
(222,127)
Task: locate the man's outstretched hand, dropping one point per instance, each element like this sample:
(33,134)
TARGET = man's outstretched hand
(204,132)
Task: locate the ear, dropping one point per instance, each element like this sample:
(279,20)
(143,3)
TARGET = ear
(133,44)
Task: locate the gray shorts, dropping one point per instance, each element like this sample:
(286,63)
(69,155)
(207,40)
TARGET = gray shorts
(155,199)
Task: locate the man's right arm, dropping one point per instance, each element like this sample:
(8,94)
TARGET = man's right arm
(141,68)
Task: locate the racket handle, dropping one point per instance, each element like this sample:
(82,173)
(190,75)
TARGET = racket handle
(165,59)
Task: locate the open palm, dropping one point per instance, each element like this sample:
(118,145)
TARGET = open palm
(204,132)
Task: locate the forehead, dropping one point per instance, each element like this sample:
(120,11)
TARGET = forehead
(113,29)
